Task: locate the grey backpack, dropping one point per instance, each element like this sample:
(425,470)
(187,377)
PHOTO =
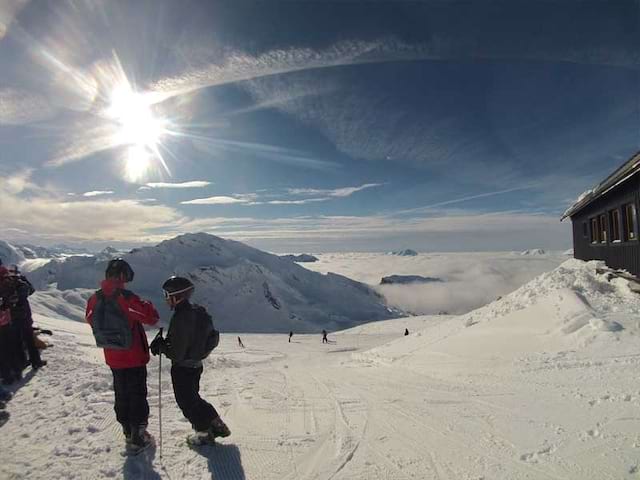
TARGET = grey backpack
(110,324)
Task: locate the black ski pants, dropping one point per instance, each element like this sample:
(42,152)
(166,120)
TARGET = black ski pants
(11,355)
(24,330)
(186,388)
(130,387)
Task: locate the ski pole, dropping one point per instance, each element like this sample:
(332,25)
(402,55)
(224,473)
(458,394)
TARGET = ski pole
(160,397)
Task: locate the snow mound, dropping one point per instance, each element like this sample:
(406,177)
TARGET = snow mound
(245,289)
(568,252)
(589,280)
(575,306)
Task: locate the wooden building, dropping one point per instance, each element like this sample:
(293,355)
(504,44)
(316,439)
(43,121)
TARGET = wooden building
(605,220)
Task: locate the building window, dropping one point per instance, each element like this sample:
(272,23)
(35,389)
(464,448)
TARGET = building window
(602,224)
(594,230)
(614,223)
(585,230)
(630,222)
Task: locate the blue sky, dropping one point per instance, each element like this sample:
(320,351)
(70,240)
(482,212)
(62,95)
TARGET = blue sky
(312,126)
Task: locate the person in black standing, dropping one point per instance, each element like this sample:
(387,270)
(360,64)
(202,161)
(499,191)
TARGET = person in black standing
(406,332)
(190,339)
(290,335)
(22,319)
(324,336)
(11,355)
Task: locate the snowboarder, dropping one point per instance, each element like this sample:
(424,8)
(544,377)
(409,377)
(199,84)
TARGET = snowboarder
(190,339)
(112,309)
(240,344)
(324,336)
(290,335)
(22,319)
(406,332)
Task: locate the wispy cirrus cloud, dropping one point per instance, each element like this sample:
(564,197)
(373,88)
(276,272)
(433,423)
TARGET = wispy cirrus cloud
(97,193)
(337,192)
(179,185)
(221,200)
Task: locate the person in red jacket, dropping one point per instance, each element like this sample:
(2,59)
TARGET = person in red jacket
(129,366)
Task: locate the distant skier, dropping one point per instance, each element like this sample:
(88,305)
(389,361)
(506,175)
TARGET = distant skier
(324,336)
(116,316)
(290,335)
(190,339)
(406,332)
(240,344)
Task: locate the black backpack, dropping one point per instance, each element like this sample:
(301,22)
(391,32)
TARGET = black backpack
(110,324)
(210,336)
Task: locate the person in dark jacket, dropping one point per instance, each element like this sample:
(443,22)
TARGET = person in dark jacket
(186,346)
(11,354)
(22,319)
(324,336)
(129,367)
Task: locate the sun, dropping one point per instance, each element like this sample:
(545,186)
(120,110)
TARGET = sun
(138,128)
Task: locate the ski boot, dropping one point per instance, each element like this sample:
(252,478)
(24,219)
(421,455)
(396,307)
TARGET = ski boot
(38,365)
(140,440)
(126,431)
(218,428)
(198,439)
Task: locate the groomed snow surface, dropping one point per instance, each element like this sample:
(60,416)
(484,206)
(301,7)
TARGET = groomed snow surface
(541,384)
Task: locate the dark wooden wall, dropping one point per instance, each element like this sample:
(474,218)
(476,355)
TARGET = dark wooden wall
(623,255)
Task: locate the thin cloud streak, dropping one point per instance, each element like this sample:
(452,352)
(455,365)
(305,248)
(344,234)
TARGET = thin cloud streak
(97,193)
(338,192)
(220,200)
(191,184)
(463,199)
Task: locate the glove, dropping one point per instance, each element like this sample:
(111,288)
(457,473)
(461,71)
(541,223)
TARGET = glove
(158,346)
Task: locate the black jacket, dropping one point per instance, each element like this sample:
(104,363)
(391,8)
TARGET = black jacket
(188,332)
(21,310)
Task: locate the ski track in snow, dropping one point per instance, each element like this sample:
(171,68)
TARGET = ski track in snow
(443,403)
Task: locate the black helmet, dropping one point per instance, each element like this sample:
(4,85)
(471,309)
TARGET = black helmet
(117,267)
(178,286)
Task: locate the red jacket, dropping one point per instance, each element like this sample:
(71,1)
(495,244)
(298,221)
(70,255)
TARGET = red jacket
(138,312)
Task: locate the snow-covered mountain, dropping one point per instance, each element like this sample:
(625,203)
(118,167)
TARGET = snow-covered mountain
(10,254)
(244,288)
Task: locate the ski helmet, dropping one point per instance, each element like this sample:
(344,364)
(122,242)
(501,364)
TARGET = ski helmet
(177,289)
(117,267)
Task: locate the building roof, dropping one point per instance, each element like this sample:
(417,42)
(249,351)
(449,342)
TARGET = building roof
(619,176)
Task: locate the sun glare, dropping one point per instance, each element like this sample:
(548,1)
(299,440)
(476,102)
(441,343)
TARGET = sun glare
(137,127)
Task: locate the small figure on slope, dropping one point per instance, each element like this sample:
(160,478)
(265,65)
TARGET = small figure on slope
(116,316)
(190,339)
(240,344)
(324,336)
(406,332)
(290,335)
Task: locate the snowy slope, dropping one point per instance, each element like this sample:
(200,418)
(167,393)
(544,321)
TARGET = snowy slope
(541,385)
(244,288)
